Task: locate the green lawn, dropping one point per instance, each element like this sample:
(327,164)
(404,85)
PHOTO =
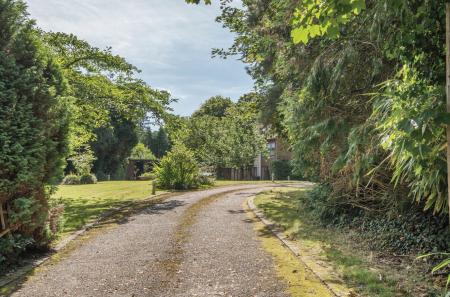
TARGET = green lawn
(84,203)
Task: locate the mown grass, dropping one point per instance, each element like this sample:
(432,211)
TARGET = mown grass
(355,262)
(85,203)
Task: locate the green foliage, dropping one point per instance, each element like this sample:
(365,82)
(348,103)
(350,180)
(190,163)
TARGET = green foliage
(88,179)
(83,161)
(71,179)
(33,126)
(158,142)
(10,249)
(83,179)
(363,110)
(112,146)
(140,151)
(147,176)
(215,107)
(178,169)
(102,85)
(229,140)
(316,18)
(410,116)
(409,231)
(281,169)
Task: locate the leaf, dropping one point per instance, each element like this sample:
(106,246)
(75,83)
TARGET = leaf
(441,265)
(300,35)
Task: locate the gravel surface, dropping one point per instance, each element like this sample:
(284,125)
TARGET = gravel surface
(195,244)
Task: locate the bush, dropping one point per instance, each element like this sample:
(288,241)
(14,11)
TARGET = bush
(178,169)
(147,176)
(87,179)
(33,127)
(101,176)
(281,169)
(410,231)
(71,179)
(206,180)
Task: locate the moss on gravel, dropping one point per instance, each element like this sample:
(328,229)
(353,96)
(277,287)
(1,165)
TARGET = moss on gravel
(300,280)
(356,263)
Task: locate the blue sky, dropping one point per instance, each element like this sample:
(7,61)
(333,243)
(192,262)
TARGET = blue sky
(169,40)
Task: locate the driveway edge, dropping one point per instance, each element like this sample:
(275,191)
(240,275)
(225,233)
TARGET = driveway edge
(330,283)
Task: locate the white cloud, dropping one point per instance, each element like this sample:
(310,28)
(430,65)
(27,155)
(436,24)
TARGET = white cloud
(169,40)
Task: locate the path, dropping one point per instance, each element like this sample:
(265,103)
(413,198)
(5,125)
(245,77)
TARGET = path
(195,244)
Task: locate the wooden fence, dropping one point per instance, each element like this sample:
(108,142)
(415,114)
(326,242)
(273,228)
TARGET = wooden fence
(244,173)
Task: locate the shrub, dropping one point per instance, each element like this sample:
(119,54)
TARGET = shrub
(206,177)
(71,179)
(403,232)
(87,179)
(33,127)
(281,169)
(147,176)
(101,176)
(178,169)
(206,180)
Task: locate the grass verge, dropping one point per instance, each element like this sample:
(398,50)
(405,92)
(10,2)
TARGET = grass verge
(368,272)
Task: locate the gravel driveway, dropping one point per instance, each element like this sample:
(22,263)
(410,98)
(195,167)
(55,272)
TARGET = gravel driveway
(195,244)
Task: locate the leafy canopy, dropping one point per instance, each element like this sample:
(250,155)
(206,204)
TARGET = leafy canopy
(317,18)
(102,83)
(140,151)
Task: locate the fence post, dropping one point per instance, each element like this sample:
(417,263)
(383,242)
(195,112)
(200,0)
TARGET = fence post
(153,187)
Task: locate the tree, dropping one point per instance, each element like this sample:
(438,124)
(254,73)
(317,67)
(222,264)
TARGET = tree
(160,144)
(227,138)
(112,146)
(33,127)
(140,151)
(102,84)
(243,138)
(359,95)
(215,106)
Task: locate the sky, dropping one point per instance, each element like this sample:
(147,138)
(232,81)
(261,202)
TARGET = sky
(169,40)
